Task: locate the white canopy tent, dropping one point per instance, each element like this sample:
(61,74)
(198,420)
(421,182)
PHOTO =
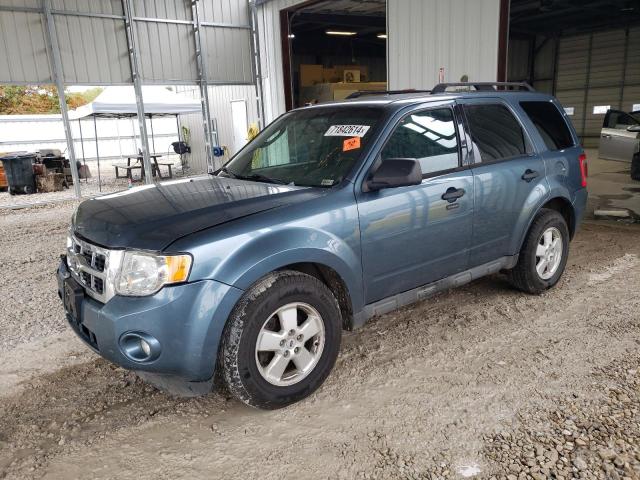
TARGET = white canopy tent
(120,102)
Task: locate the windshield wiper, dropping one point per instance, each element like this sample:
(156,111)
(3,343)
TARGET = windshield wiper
(257,177)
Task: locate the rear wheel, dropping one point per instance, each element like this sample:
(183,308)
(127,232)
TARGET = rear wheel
(543,256)
(281,340)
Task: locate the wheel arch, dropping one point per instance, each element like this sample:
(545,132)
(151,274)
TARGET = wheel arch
(334,282)
(560,204)
(314,252)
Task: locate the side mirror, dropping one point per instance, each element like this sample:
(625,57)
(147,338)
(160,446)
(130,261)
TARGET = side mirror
(395,172)
(634,129)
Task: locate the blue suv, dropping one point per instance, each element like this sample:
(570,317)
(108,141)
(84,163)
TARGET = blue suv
(334,214)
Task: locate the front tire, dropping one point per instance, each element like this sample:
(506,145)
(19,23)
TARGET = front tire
(281,340)
(544,254)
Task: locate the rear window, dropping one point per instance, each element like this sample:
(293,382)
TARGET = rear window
(549,123)
(496,132)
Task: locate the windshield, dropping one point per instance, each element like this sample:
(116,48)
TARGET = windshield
(314,147)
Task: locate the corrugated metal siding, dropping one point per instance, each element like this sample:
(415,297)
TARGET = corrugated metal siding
(228,55)
(167,52)
(23,50)
(220,98)
(93,50)
(592,71)
(424,35)
(235,12)
(518,59)
(268,25)
(111,7)
(168,9)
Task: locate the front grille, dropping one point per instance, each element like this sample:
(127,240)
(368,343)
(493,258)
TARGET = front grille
(98,285)
(89,265)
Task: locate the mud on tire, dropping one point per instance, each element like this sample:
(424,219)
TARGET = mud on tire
(524,275)
(238,358)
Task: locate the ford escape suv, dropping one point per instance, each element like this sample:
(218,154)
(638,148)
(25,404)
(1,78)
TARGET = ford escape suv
(334,214)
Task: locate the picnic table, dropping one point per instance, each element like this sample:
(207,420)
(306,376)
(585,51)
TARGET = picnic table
(138,164)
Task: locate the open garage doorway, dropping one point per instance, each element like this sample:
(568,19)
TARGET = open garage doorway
(332,49)
(587,54)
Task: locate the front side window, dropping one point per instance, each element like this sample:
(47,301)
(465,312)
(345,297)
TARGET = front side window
(429,137)
(314,147)
(620,120)
(496,132)
(550,124)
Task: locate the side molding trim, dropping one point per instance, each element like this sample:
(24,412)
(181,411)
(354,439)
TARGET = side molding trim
(394,302)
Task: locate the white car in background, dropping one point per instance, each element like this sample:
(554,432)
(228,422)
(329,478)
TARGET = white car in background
(620,135)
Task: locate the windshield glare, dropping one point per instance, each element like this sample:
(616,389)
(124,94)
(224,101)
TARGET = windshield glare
(313,147)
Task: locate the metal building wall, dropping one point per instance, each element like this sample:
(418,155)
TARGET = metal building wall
(424,35)
(220,98)
(593,69)
(268,25)
(22,36)
(93,44)
(598,69)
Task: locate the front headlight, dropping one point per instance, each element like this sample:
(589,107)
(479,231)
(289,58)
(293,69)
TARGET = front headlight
(145,273)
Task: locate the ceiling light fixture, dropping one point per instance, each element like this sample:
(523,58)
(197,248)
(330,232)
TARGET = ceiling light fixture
(382,36)
(340,32)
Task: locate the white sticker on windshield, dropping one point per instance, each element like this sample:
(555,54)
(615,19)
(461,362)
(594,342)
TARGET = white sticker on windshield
(347,131)
(327,182)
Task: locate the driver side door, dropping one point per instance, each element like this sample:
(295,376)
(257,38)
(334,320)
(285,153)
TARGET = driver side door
(411,236)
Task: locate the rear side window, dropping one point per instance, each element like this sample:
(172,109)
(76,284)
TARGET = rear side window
(549,123)
(496,132)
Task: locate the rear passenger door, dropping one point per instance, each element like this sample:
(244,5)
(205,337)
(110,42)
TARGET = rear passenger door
(508,177)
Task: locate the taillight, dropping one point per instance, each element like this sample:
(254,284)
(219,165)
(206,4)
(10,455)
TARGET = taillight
(584,169)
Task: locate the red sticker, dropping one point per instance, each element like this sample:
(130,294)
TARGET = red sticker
(351,144)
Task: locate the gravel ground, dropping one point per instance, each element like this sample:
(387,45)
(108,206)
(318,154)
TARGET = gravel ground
(479,382)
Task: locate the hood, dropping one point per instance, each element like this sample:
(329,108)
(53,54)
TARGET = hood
(153,216)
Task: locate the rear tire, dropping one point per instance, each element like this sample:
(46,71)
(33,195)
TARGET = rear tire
(544,254)
(281,340)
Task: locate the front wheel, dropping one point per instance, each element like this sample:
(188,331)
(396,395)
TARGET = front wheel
(544,254)
(281,341)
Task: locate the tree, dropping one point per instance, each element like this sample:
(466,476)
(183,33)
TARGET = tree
(35,99)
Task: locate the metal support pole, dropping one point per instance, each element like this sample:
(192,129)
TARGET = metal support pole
(84,158)
(210,136)
(623,78)
(95,133)
(257,63)
(153,140)
(585,101)
(137,87)
(56,70)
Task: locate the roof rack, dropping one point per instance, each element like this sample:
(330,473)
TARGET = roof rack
(361,93)
(483,86)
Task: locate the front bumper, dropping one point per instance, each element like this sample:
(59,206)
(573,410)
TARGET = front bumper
(187,320)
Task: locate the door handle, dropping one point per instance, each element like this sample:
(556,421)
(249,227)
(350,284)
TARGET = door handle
(452,194)
(529,175)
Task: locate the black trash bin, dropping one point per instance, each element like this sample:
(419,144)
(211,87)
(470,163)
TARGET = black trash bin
(19,171)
